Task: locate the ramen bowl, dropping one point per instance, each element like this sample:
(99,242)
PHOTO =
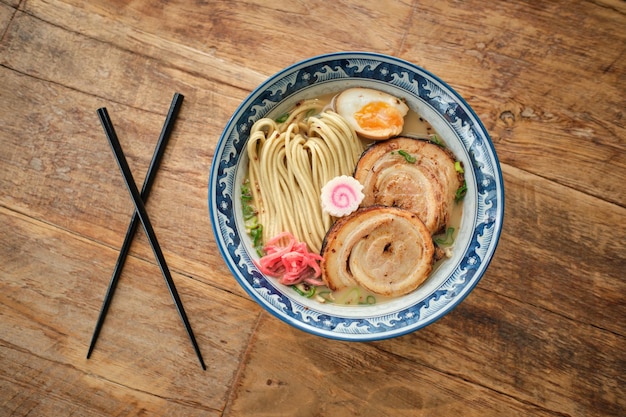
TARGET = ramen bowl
(453,120)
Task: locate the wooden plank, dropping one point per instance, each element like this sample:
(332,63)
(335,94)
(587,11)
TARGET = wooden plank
(6,14)
(57,164)
(53,284)
(498,68)
(561,250)
(101,69)
(33,385)
(541,334)
(502,58)
(291,373)
(11,3)
(491,356)
(538,214)
(512,347)
(271,34)
(539,331)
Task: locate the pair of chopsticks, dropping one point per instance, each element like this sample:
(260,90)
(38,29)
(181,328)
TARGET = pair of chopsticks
(140,215)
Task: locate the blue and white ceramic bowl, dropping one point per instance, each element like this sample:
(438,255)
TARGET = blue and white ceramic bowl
(460,129)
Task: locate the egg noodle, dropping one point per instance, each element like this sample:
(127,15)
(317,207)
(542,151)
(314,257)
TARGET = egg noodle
(289,163)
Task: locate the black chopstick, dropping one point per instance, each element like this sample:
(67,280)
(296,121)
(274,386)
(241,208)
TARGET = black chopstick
(147,225)
(159,150)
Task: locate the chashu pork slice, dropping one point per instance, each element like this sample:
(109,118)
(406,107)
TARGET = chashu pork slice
(386,250)
(413,174)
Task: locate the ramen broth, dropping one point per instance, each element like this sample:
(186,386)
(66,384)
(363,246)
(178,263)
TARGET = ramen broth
(414,126)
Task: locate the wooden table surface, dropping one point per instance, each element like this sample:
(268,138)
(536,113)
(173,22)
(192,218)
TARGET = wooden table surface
(543,333)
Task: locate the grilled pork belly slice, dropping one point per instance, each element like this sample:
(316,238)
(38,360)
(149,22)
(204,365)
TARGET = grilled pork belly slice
(413,174)
(386,250)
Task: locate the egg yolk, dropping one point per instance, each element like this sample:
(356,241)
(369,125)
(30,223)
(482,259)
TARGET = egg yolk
(378,115)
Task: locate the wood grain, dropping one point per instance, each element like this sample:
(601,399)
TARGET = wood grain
(312,376)
(522,65)
(554,104)
(6,14)
(543,332)
(562,252)
(53,284)
(62,152)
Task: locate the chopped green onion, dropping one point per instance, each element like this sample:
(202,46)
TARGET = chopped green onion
(325,296)
(460,193)
(409,158)
(369,300)
(304,290)
(257,237)
(448,239)
(251,222)
(435,139)
(248,212)
(459,167)
(282,118)
(307,290)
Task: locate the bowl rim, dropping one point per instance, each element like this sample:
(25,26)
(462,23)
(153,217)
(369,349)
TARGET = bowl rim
(301,319)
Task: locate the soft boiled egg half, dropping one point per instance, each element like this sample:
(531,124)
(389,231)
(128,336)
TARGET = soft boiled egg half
(372,113)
